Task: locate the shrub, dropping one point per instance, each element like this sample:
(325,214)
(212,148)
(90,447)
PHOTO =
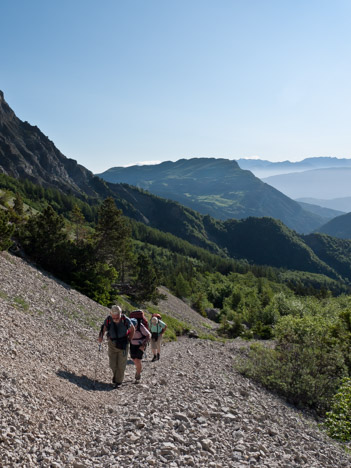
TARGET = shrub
(231,328)
(260,330)
(306,365)
(338,421)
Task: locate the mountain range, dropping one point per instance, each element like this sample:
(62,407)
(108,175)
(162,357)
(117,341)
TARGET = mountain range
(219,188)
(322,181)
(341,205)
(26,153)
(328,183)
(262,168)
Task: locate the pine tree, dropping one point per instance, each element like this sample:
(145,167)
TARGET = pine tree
(18,205)
(43,236)
(146,281)
(113,238)
(78,220)
(6,230)
(182,288)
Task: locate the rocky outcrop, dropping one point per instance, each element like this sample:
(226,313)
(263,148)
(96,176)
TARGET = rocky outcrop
(191,408)
(25,152)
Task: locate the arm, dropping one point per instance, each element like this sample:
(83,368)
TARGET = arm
(147,335)
(164,328)
(102,332)
(130,332)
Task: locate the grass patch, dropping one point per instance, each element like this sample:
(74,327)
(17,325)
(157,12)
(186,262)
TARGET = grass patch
(207,325)
(21,303)
(215,200)
(3,295)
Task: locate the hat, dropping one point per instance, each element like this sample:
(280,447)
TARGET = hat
(115,309)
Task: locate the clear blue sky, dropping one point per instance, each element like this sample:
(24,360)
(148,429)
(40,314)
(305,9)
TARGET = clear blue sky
(116,82)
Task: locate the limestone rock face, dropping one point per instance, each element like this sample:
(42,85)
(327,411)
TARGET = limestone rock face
(191,408)
(25,152)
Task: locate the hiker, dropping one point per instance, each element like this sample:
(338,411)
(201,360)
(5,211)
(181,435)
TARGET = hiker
(139,341)
(157,329)
(120,331)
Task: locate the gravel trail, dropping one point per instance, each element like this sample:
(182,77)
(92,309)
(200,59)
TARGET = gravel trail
(58,408)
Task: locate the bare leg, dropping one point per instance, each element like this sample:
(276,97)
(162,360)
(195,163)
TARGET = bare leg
(138,368)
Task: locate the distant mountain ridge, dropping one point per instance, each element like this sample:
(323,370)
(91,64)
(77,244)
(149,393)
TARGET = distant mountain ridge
(338,227)
(323,212)
(339,204)
(329,183)
(217,187)
(263,168)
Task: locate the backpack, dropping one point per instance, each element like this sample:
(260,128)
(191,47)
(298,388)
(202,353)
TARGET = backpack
(120,342)
(109,320)
(137,324)
(157,316)
(139,316)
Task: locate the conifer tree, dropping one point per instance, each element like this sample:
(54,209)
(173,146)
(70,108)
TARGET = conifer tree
(182,288)
(113,237)
(6,230)
(18,205)
(146,281)
(17,212)
(77,219)
(43,236)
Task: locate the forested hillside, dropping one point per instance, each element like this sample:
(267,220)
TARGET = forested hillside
(215,187)
(338,227)
(254,241)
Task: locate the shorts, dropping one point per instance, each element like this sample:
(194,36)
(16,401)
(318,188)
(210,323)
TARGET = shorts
(156,344)
(136,352)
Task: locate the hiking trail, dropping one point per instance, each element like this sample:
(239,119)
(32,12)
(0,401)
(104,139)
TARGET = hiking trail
(191,408)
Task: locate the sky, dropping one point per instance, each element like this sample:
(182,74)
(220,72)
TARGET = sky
(119,82)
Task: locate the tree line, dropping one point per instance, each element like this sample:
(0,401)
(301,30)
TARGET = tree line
(93,259)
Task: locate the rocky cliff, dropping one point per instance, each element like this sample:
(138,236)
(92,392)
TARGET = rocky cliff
(25,152)
(58,408)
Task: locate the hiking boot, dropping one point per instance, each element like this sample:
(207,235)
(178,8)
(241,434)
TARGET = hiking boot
(158,356)
(116,385)
(137,377)
(154,358)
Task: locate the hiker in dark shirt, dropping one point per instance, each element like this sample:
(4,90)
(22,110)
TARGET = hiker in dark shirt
(119,333)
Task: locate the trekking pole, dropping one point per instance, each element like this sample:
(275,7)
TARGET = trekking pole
(97,363)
